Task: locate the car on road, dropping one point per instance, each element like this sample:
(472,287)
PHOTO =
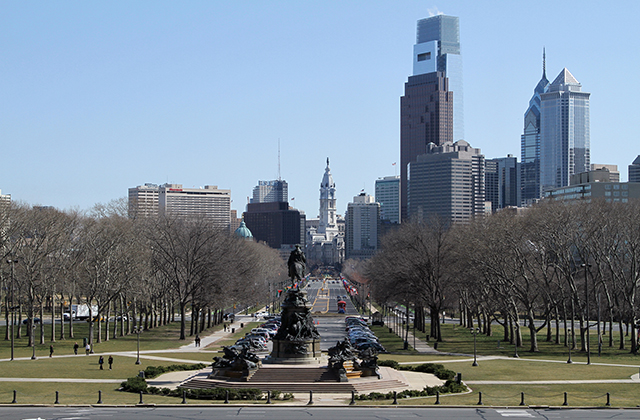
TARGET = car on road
(36,320)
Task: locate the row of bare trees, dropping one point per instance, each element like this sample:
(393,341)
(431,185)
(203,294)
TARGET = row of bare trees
(133,271)
(553,265)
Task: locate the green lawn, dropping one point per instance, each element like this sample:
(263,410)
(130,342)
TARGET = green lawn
(456,340)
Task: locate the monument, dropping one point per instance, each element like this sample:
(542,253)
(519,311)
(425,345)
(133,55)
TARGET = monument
(297,340)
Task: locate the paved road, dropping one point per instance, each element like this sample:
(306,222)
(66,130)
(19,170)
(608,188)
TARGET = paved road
(319,413)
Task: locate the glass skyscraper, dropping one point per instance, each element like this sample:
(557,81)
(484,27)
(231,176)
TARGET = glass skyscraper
(438,49)
(564,131)
(530,144)
(431,108)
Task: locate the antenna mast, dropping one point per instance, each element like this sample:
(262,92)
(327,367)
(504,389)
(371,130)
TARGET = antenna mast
(279,179)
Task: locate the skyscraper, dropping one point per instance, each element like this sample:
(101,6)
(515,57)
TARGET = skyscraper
(530,143)
(634,170)
(502,182)
(438,49)
(431,108)
(388,195)
(271,191)
(564,131)
(362,222)
(448,181)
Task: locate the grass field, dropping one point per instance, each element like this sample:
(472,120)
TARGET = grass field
(547,365)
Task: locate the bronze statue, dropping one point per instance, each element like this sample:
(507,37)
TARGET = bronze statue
(297,264)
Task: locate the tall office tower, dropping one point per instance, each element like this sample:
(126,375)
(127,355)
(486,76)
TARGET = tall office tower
(208,203)
(361,227)
(143,200)
(564,131)
(431,110)
(447,181)
(502,182)
(328,225)
(426,115)
(271,191)
(276,224)
(388,195)
(530,143)
(634,170)
(438,49)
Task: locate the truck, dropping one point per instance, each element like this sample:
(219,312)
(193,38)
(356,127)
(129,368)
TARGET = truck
(80,312)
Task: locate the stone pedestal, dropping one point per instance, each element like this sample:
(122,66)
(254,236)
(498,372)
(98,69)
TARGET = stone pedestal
(298,340)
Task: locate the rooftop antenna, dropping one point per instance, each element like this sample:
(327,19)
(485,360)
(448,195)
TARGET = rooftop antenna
(544,63)
(279,179)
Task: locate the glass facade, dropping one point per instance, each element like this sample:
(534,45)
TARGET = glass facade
(530,145)
(564,132)
(388,195)
(446,31)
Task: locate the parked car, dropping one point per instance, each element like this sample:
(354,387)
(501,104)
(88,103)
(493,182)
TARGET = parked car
(36,320)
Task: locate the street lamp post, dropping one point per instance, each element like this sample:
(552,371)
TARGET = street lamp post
(586,292)
(570,345)
(137,331)
(12,306)
(475,332)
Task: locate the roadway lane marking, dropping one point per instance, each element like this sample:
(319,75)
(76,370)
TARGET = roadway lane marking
(515,413)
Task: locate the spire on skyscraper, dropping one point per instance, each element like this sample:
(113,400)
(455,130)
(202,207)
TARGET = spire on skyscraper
(544,63)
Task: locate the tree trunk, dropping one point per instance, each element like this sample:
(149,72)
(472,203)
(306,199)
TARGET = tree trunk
(183,322)
(621,327)
(53,317)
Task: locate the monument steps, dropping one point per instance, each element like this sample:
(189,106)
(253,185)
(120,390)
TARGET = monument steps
(381,385)
(292,374)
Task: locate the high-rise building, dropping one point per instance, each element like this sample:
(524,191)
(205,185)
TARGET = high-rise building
(431,110)
(388,195)
(634,170)
(328,219)
(143,200)
(271,191)
(502,182)
(564,131)
(530,143)
(209,203)
(361,225)
(276,224)
(438,49)
(447,181)
(426,115)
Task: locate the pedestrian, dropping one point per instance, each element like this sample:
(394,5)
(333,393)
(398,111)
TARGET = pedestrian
(51,350)
(110,360)
(225,327)
(87,349)
(75,348)
(197,340)
(100,362)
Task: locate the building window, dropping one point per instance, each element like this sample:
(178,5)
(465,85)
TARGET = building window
(424,56)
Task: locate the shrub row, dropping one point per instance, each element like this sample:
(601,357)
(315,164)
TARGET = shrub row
(449,387)
(155,371)
(434,368)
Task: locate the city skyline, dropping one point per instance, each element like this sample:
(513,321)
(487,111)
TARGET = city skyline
(104,97)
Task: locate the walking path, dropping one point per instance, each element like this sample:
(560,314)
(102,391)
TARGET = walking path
(416,380)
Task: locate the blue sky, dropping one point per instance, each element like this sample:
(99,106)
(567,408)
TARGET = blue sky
(97,97)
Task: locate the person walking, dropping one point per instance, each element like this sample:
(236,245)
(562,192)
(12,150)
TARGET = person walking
(100,362)
(51,350)
(110,360)
(197,340)
(75,348)
(87,349)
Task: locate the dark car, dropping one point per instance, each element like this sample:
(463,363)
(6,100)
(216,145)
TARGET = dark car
(36,320)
